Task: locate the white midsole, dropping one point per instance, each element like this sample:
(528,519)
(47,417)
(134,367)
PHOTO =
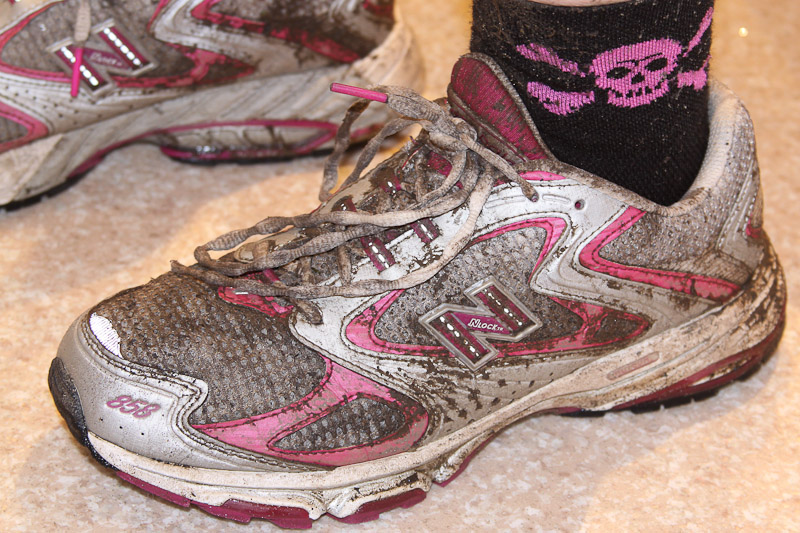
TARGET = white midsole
(600,385)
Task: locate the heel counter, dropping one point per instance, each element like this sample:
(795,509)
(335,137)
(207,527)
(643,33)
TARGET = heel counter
(742,237)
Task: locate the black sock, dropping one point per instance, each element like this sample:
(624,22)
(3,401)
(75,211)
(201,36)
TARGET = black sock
(618,90)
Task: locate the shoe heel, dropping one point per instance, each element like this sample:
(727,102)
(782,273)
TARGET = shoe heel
(693,361)
(707,382)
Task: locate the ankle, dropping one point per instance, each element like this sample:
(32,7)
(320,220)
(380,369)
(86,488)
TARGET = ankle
(628,103)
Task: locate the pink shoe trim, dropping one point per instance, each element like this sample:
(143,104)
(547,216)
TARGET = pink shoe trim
(554,227)
(266,304)
(439,163)
(159,8)
(35,128)
(339,387)
(322,45)
(58,77)
(361,330)
(329,133)
(715,289)
(203,61)
(384,10)
(480,89)
(752,231)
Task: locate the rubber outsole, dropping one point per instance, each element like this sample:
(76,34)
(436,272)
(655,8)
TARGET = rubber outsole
(697,387)
(73,180)
(49,193)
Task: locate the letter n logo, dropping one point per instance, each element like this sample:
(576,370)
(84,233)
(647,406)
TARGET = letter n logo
(108,51)
(466,331)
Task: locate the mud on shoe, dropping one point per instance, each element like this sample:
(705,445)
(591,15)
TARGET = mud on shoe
(206,80)
(342,362)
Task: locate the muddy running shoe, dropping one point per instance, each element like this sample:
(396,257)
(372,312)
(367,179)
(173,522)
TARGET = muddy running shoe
(206,80)
(342,362)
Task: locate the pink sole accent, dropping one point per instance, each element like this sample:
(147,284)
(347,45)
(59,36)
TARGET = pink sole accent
(295,518)
(282,516)
(372,510)
(465,463)
(317,43)
(339,387)
(230,155)
(739,364)
(156,491)
(361,330)
(715,289)
(286,517)
(327,133)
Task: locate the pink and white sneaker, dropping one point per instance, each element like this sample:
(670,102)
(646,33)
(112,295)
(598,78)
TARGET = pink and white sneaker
(206,80)
(344,361)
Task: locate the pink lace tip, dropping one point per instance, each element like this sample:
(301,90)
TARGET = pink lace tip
(76,72)
(358,92)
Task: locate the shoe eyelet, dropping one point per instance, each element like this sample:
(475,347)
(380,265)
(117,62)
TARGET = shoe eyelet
(579,205)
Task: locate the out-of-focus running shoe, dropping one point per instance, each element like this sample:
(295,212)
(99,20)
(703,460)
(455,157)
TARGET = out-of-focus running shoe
(341,362)
(206,80)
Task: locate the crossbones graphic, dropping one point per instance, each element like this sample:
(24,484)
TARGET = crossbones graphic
(632,75)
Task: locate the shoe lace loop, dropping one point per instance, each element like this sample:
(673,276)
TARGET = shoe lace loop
(474,167)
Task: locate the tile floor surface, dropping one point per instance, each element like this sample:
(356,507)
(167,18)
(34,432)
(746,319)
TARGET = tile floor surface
(729,463)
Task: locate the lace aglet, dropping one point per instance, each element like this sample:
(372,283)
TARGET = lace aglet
(358,92)
(76,72)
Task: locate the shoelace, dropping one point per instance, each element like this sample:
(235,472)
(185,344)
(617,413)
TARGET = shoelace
(80,34)
(83,25)
(442,131)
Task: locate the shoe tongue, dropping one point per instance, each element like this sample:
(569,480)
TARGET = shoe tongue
(480,94)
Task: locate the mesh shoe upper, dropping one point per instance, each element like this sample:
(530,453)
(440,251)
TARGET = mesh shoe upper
(542,286)
(251,365)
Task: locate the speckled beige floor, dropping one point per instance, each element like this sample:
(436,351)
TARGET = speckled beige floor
(729,463)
